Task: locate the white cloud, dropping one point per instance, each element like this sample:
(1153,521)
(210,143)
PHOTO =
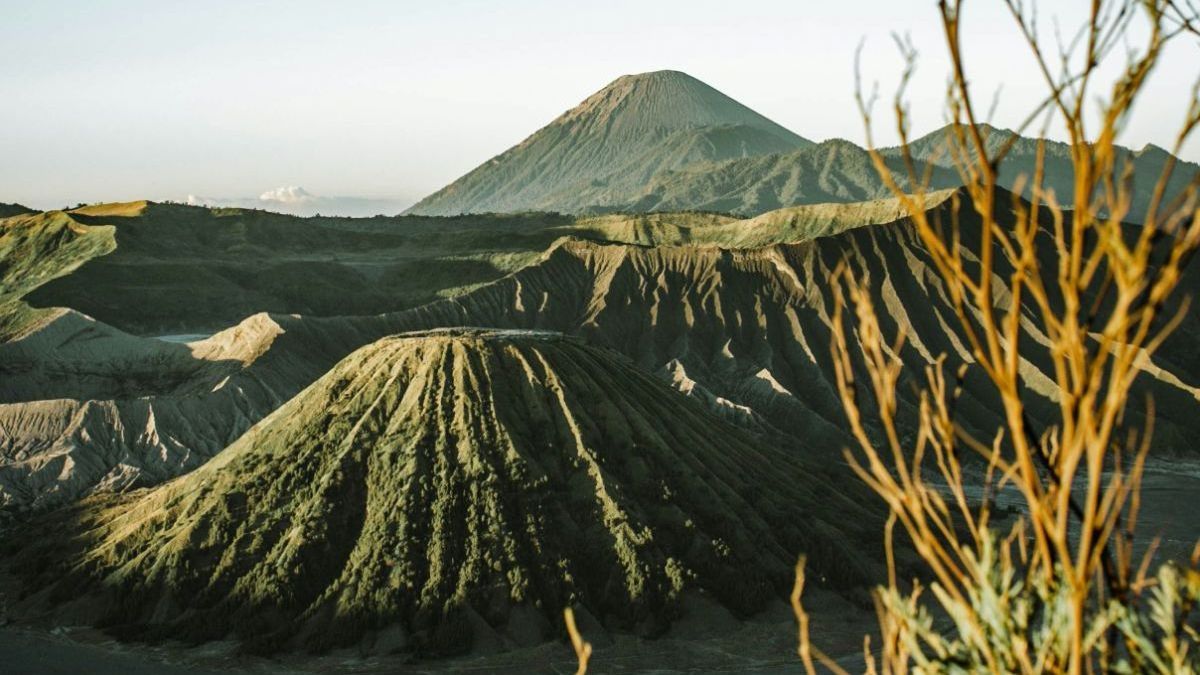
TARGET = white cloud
(291,194)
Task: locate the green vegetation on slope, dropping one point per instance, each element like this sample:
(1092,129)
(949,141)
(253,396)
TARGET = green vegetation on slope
(184,269)
(86,406)
(452,484)
(34,249)
(179,269)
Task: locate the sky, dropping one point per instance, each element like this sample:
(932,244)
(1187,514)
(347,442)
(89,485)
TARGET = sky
(121,100)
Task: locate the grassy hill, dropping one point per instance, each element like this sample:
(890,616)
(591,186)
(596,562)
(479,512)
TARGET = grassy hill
(36,248)
(179,269)
(166,268)
(448,487)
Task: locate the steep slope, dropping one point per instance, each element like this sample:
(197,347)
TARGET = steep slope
(782,226)
(449,484)
(598,154)
(36,248)
(85,407)
(808,222)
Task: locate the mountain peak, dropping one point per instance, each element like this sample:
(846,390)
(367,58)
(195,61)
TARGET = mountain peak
(665,74)
(1152,150)
(668,99)
(601,153)
(656,77)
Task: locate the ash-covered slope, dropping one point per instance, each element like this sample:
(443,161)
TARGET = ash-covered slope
(452,485)
(85,407)
(599,154)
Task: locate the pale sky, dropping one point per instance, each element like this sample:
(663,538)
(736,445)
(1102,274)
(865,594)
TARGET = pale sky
(120,100)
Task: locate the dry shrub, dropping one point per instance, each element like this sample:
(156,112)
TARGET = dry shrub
(1059,588)
(583,648)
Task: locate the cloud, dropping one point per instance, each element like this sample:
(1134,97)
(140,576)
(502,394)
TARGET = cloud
(292,194)
(295,200)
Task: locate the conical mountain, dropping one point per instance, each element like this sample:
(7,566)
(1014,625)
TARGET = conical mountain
(599,154)
(453,486)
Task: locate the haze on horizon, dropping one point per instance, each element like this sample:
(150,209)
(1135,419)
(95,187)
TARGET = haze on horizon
(387,102)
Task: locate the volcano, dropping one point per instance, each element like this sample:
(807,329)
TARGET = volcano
(599,154)
(451,485)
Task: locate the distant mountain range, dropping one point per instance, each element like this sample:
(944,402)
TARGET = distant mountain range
(296,201)
(833,171)
(7,210)
(665,141)
(1148,165)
